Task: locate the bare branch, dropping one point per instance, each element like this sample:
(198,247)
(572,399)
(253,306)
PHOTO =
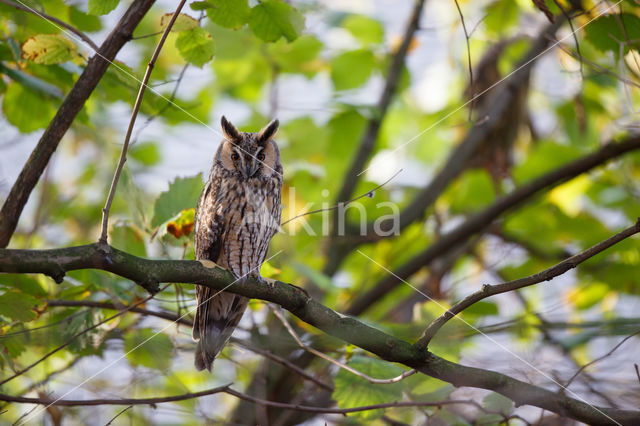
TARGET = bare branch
(226,389)
(132,122)
(55,20)
(546,275)
(466,37)
(118,415)
(71,106)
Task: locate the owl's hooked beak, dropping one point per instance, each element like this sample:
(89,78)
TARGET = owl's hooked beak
(251,169)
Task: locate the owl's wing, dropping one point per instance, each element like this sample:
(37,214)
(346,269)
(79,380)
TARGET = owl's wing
(208,225)
(208,244)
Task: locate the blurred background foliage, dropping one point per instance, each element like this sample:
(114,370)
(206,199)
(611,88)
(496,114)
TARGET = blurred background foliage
(320,68)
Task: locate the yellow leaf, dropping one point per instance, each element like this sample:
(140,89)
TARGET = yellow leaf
(48,49)
(567,196)
(183,22)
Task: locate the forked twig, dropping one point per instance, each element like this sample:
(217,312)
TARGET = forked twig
(581,369)
(134,115)
(309,349)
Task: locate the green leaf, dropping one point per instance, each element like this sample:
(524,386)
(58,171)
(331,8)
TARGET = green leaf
(317,277)
(351,69)
(25,109)
(102,7)
(353,391)
(128,239)
(368,31)
(299,56)
(228,13)
(48,49)
(83,21)
(609,32)
(25,283)
(272,19)
(148,348)
(18,306)
(196,46)
(182,194)
(472,191)
(183,22)
(497,403)
(481,309)
(146,153)
(200,5)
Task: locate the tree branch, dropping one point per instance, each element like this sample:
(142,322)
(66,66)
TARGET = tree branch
(132,122)
(55,20)
(71,106)
(546,275)
(226,389)
(148,273)
(481,220)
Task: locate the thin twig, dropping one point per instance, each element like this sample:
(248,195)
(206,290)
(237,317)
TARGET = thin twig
(118,415)
(546,275)
(53,19)
(134,115)
(285,362)
(80,333)
(466,37)
(226,389)
(346,203)
(573,33)
(581,369)
(169,103)
(307,348)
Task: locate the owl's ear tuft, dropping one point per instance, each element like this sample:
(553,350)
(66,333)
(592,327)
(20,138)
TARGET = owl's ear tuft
(230,131)
(268,132)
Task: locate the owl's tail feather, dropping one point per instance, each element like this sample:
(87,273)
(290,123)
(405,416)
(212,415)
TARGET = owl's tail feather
(213,325)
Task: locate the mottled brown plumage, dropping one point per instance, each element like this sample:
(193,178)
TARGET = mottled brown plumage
(237,215)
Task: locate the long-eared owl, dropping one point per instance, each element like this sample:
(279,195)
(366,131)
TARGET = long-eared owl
(237,215)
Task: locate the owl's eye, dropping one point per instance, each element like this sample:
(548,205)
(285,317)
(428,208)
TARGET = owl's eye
(235,156)
(260,156)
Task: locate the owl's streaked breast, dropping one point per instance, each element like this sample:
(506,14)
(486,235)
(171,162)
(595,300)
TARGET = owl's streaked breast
(251,214)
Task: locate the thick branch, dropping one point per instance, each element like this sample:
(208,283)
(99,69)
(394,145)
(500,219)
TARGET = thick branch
(150,272)
(480,221)
(546,275)
(71,106)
